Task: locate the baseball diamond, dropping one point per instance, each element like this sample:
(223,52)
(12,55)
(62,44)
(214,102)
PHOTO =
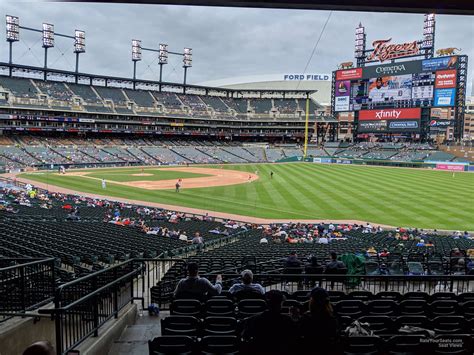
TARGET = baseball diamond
(390,196)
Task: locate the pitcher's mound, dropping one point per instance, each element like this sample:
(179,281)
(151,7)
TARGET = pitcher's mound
(142,174)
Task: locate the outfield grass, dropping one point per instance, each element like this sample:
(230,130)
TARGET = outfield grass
(393,196)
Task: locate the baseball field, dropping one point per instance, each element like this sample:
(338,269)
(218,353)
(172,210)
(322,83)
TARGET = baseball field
(297,191)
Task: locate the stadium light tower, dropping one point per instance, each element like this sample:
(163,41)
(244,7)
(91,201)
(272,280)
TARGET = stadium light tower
(163,59)
(136,57)
(48,42)
(429,35)
(79,47)
(187,63)
(13,35)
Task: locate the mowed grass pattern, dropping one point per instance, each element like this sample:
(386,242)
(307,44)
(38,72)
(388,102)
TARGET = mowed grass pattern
(393,196)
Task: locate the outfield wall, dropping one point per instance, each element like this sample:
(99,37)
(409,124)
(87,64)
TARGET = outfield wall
(436,165)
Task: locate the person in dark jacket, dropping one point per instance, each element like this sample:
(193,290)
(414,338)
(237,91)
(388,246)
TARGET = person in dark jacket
(271,332)
(319,327)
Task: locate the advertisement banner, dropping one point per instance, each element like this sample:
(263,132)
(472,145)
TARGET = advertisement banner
(375,71)
(403,125)
(450,167)
(439,63)
(440,113)
(326,160)
(355,73)
(390,114)
(444,97)
(343,161)
(470,168)
(342,103)
(316,160)
(372,126)
(343,88)
(441,123)
(445,79)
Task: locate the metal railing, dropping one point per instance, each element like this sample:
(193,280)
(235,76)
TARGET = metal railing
(25,284)
(84,305)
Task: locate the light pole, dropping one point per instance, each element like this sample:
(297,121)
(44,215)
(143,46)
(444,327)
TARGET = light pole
(187,63)
(163,59)
(13,35)
(79,47)
(48,42)
(136,57)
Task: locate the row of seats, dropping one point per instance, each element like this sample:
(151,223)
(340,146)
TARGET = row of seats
(348,308)
(460,344)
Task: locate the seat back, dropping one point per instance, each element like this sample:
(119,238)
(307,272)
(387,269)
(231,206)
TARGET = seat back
(186,307)
(180,325)
(219,307)
(171,344)
(220,326)
(248,308)
(219,344)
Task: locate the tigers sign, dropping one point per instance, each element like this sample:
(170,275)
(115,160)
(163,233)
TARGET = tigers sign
(384,51)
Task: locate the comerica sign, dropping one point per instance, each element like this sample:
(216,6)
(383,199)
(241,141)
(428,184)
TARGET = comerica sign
(384,51)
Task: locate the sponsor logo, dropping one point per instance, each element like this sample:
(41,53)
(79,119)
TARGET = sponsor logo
(355,73)
(309,77)
(391,114)
(439,63)
(384,51)
(451,167)
(437,123)
(342,103)
(393,69)
(403,125)
(444,97)
(445,79)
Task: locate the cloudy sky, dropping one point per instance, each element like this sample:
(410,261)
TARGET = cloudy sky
(226,42)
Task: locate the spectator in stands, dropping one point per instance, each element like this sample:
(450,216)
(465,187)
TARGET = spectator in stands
(334,265)
(247,284)
(319,326)
(40,348)
(264,240)
(421,243)
(197,239)
(292,261)
(197,287)
(384,253)
(271,332)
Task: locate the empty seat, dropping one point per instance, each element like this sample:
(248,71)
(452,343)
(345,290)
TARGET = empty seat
(360,295)
(248,308)
(443,308)
(186,308)
(459,344)
(467,309)
(219,307)
(443,296)
(366,345)
(300,296)
(416,295)
(388,295)
(180,325)
(466,296)
(449,324)
(413,307)
(219,344)
(335,296)
(350,308)
(381,307)
(405,345)
(220,326)
(171,344)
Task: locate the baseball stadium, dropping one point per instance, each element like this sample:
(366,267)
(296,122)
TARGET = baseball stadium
(239,216)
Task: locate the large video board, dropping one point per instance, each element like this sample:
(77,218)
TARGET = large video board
(420,83)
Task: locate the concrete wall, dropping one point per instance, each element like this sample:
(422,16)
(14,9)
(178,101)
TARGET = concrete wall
(17,334)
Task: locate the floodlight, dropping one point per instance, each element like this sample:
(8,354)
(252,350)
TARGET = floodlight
(79,41)
(188,57)
(48,35)
(163,56)
(13,28)
(136,50)
(428,31)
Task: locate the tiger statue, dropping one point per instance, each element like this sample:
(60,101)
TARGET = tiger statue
(346,65)
(447,51)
